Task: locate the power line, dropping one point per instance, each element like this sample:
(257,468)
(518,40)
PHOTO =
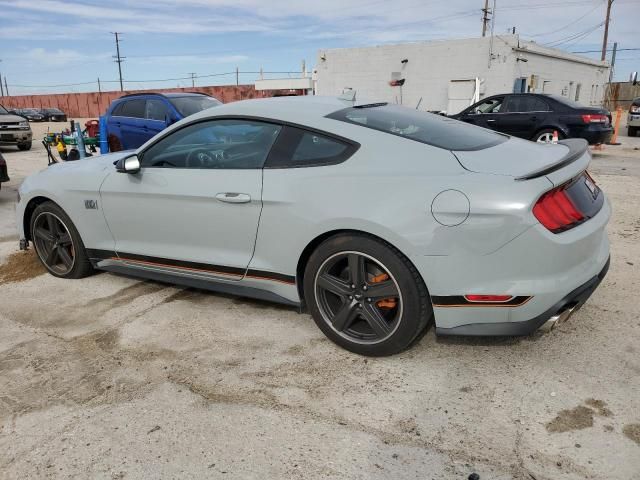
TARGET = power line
(560,41)
(565,26)
(608,50)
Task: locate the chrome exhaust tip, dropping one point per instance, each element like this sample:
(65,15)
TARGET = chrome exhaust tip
(557,319)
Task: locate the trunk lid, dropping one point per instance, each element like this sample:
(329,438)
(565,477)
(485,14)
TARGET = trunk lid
(523,159)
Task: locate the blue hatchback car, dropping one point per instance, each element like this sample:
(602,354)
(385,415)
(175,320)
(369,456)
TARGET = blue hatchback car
(133,119)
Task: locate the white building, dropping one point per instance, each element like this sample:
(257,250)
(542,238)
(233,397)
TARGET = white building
(451,75)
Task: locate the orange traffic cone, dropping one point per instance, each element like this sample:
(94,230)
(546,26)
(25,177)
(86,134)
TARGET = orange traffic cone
(555,137)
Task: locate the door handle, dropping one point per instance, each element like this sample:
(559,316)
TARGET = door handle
(232,197)
(490,120)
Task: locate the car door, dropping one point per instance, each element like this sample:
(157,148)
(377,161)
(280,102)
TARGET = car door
(131,122)
(156,115)
(484,113)
(196,201)
(521,115)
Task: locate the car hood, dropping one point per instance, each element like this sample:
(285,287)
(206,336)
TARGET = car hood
(11,118)
(515,157)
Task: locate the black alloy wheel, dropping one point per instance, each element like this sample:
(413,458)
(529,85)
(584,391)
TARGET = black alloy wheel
(53,243)
(365,295)
(58,243)
(358,297)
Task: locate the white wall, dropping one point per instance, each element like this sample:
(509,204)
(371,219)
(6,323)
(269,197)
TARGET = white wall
(432,65)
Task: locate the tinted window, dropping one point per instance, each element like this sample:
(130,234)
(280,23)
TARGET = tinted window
(193,104)
(302,148)
(526,103)
(491,105)
(229,144)
(422,127)
(133,108)
(117,110)
(156,110)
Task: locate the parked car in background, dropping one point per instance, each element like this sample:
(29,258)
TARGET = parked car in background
(14,130)
(134,119)
(380,220)
(31,114)
(4,175)
(53,115)
(535,116)
(633,119)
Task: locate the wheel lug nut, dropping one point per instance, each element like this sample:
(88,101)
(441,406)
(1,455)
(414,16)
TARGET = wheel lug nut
(353,286)
(369,300)
(364,287)
(350,297)
(359,305)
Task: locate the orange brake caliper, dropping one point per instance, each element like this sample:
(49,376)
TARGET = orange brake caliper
(386,302)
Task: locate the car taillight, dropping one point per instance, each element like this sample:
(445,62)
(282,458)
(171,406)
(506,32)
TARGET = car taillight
(598,118)
(556,211)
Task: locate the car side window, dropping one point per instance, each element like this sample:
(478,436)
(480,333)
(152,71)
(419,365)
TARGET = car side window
(117,111)
(214,144)
(491,105)
(526,103)
(302,148)
(133,108)
(156,110)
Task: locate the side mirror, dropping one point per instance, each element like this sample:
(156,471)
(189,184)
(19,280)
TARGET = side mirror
(633,79)
(130,164)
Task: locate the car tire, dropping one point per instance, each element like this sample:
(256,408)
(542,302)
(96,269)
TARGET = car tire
(546,133)
(57,242)
(115,145)
(380,309)
(24,146)
(632,131)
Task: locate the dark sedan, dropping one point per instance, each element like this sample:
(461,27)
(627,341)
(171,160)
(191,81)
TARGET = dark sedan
(30,114)
(53,115)
(536,116)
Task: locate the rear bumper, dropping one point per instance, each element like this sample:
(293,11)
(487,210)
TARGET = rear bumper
(594,135)
(572,301)
(633,120)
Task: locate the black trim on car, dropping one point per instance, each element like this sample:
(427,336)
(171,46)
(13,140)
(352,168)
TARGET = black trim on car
(460,301)
(232,288)
(575,299)
(99,255)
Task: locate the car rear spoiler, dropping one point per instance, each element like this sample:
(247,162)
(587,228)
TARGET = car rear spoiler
(577,148)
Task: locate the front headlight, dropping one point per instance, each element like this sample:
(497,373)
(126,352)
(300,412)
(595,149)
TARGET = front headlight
(23,124)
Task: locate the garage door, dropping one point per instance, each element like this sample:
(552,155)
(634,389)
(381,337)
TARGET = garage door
(461,93)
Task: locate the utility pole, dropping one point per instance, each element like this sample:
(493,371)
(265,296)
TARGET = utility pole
(485,17)
(99,89)
(613,62)
(193,79)
(606,31)
(6,87)
(237,77)
(1,88)
(118,58)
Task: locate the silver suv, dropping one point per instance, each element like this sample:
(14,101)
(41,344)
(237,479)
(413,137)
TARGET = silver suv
(14,130)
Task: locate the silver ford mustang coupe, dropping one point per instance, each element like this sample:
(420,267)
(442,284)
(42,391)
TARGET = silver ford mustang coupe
(375,218)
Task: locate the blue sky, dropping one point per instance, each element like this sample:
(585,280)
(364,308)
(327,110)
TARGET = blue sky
(44,43)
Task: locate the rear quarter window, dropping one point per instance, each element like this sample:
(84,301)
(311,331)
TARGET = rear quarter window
(419,126)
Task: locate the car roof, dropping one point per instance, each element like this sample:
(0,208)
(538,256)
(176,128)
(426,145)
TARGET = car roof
(295,109)
(161,94)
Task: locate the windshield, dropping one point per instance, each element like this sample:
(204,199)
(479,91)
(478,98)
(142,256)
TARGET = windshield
(30,110)
(422,127)
(3,111)
(193,104)
(53,110)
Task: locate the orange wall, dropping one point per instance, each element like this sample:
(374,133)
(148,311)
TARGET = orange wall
(94,104)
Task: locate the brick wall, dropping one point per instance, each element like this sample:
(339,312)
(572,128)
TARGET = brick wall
(94,104)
